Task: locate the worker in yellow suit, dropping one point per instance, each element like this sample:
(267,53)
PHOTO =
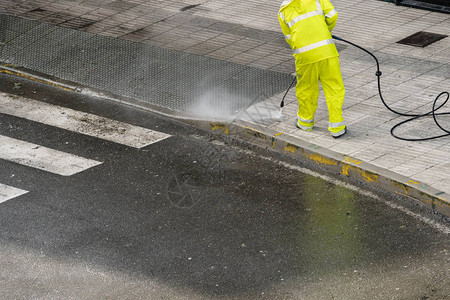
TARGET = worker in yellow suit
(307,25)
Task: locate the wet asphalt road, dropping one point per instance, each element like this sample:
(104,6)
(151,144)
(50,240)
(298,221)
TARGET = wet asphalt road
(197,216)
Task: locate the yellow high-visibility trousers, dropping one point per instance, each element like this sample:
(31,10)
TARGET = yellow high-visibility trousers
(328,72)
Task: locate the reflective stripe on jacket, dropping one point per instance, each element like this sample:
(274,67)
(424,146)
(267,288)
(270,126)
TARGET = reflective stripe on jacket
(307,25)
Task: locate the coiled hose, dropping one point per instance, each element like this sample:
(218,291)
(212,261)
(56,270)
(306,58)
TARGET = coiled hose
(413,117)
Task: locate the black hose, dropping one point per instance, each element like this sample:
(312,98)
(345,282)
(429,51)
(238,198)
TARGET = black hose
(413,116)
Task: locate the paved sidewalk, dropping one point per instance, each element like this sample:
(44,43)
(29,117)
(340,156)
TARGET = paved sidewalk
(247,33)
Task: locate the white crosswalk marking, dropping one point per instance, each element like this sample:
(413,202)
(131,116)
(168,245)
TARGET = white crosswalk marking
(80,122)
(54,161)
(8,192)
(43,158)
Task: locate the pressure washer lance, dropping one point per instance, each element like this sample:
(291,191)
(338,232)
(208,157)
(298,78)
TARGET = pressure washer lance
(282,100)
(413,116)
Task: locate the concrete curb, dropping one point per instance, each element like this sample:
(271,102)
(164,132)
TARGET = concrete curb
(328,160)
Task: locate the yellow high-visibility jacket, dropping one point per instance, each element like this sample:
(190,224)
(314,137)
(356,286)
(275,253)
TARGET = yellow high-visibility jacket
(307,25)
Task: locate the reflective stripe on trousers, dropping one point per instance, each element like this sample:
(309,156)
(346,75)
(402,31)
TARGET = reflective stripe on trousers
(336,129)
(336,134)
(336,125)
(306,125)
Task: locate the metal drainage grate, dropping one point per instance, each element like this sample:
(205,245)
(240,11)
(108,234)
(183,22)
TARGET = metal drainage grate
(422,39)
